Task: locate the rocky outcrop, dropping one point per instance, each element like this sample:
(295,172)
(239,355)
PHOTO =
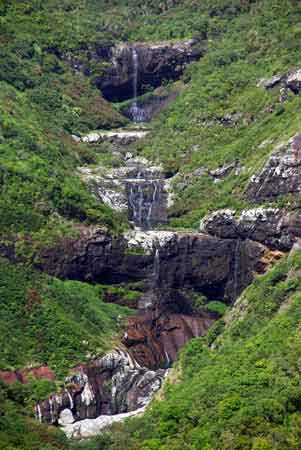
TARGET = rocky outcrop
(290,80)
(280,175)
(157,62)
(137,188)
(110,385)
(275,228)
(220,268)
(115,137)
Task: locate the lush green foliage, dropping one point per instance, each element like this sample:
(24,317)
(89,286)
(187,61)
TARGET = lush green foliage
(48,321)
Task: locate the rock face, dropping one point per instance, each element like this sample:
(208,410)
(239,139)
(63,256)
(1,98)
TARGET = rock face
(110,385)
(280,175)
(273,227)
(220,268)
(138,189)
(155,339)
(157,62)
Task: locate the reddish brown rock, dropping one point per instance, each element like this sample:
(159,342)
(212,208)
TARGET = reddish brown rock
(155,341)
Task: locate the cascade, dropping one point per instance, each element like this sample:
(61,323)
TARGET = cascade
(146,204)
(38,413)
(136,112)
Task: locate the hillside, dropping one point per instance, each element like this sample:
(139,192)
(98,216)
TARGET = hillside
(149,218)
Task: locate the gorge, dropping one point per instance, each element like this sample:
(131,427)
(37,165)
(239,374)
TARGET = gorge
(150,225)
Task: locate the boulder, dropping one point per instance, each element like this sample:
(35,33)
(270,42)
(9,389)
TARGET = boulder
(66,417)
(293,81)
(269,83)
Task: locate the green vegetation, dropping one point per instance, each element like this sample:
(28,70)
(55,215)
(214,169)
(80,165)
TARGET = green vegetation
(48,321)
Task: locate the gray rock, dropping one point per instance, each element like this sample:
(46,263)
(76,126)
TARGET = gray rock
(293,81)
(138,188)
(66,417)
(280,175)
(88,428)
(269,83)
(113,384)
(115,137)
(224,171)
(270,226)
(76,138)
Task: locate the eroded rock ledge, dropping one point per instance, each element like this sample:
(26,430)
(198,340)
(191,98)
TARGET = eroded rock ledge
(157,62)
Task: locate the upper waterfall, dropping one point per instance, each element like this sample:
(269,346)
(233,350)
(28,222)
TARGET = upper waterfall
(136,111)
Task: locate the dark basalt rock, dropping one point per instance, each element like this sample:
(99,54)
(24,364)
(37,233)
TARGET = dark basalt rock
(163,260)
(157,62)
(273,227)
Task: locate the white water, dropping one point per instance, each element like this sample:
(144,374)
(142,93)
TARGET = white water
(137,113)
(51,410)
(38,413)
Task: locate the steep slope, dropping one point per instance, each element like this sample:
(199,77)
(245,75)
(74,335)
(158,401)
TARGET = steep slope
(215,139)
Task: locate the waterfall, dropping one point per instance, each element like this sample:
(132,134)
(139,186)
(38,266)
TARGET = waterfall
(157,266)
(144,196)
(167,359)
(38,413)
(137,113)
(51,410)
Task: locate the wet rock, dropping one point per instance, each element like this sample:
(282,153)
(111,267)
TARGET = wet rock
(155,339)
(156,62)
(280,175)
(137,188)
(110,385)
(156,258)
